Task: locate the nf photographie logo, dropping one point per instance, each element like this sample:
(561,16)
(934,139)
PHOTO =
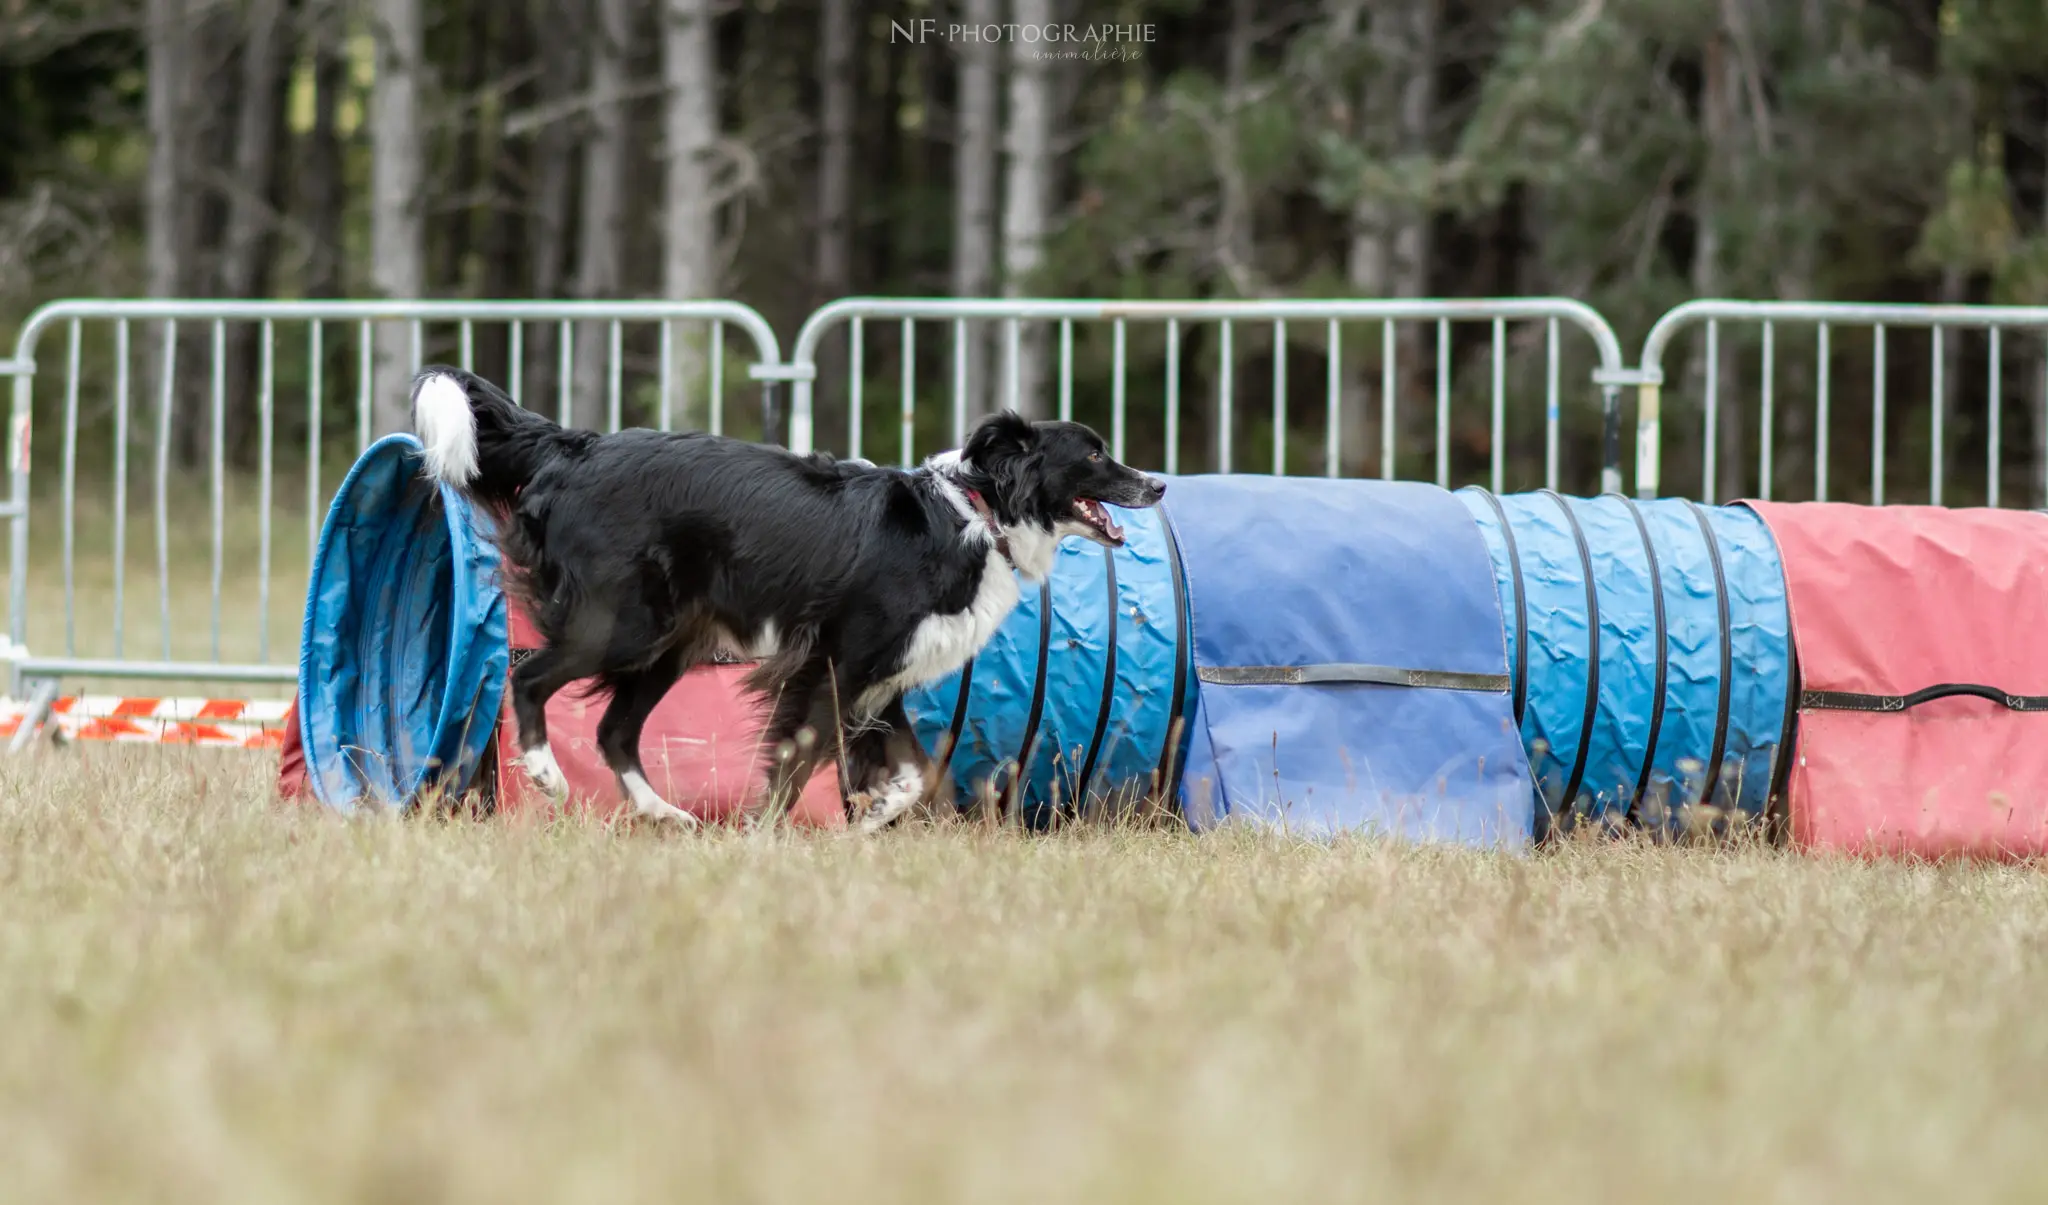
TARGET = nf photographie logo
(1054,41)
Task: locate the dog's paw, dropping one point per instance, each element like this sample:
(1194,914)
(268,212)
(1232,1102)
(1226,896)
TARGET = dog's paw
(888,804)
(540,765)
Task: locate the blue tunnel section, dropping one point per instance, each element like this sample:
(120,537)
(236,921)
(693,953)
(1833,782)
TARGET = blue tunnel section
(1083,692)
(403,654)
(1353,676)
(1650,652)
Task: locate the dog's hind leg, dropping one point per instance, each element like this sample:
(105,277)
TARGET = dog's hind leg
(535,681)
(634,696)
(802,731)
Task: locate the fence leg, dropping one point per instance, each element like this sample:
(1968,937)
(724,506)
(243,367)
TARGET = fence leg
(37,715)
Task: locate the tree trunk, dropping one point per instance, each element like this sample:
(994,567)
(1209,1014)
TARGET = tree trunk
(168,217)
(397,172)
(1718,177)
(1389,252)
(1027,201)
(835,189)
(690,133)
(322,193)
(974,192)
(553,178)
(164,209)
(599,248)
(242,263)
(1234,233)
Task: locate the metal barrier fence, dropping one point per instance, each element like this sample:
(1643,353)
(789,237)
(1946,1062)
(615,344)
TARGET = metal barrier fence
(647,361)
(1946,328)
(1015,316)
(322,392)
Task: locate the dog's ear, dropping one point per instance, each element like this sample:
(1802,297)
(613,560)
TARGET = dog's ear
(1000,449)
(1002,437)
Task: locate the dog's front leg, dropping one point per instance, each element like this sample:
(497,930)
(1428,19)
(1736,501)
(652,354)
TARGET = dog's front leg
(897,773)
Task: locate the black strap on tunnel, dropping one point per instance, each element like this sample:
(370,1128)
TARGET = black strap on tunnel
(1844,700)
(1029,745)
(959,724)
(1663,650)
(1578,774)
(1183,656)
(1727,654)
(1108,685)
(1520,670)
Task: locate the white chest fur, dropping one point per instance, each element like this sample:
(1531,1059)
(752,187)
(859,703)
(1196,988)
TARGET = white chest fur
(944,643)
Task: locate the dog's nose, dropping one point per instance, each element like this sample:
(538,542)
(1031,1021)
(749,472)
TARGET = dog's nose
(1158,486)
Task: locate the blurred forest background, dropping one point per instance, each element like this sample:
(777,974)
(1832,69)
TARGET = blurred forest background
(1629,153)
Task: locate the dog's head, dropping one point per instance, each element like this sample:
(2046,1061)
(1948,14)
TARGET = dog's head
(1057,476)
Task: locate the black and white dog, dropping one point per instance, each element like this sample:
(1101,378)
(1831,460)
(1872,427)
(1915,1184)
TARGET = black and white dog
(642,554)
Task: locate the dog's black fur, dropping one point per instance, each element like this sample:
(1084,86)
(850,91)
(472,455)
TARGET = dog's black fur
(642,554)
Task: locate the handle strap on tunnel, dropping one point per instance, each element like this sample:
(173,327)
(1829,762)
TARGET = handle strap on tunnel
(1846,700)
(1376,675)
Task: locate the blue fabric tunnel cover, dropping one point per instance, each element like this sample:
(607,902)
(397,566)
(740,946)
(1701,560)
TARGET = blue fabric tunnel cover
(1308,599)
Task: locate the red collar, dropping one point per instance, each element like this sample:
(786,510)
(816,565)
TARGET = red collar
(988,519)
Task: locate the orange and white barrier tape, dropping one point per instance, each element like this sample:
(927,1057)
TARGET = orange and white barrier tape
(223,723)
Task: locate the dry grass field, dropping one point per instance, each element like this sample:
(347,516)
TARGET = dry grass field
(212,997)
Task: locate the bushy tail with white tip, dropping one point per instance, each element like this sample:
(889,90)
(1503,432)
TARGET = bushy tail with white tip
(477,439)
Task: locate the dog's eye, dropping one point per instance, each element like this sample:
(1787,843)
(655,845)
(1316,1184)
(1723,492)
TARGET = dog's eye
(1097,456)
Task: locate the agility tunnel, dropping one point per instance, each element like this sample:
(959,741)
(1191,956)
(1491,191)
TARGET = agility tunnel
(1316,655)
(1923,678)
(402,658)
(1650,653)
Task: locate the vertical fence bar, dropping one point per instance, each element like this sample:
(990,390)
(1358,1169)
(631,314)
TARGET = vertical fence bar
(1938,402)
(363,349)
(565,362)
(1995,403)
(1877,419)
(1117,396)
(855,401)
(165,403)
(313,357)
(1172,396)
(1764,455)
(1500,405)
(908,398)
(120,483)
(419,345)
(1333,399)
(1553,420)
(71,489)
(665,417)
(468,346)
(515,359)
(1820,423)
(1280,398)
(1066,370)
(1390,351)
(1710,466)
(217,469)
(1013,366)
(614,372)
(266,427)
(1226,374)
(959,381)
(717,423)
(1443,403)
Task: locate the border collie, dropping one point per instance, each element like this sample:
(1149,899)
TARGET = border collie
(642,554)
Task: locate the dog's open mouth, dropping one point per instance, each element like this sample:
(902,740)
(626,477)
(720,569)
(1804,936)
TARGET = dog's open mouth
(1096,516)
